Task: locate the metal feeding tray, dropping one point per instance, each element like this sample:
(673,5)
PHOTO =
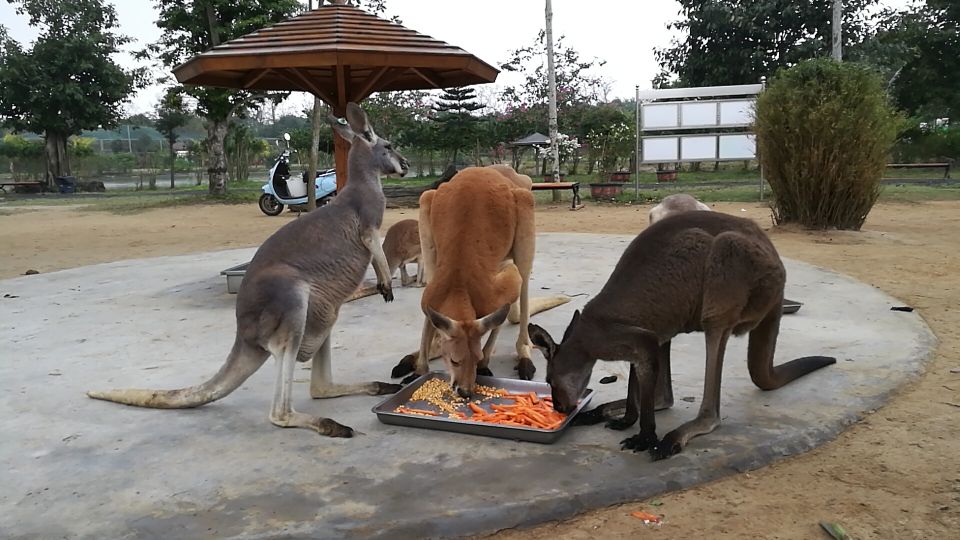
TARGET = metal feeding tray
(235,277)
(791,306)
(385,411)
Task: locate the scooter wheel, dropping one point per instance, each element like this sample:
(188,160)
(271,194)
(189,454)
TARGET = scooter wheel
(269,205)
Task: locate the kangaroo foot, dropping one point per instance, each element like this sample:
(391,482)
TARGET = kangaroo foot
(405,366)
(620,424)
(331,428)
(645,440)
(485,371)
(410,378)
(526,369)
(383,388)
(669,446)
(386,291)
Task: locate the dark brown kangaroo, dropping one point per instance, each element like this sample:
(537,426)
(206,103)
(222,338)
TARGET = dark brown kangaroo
(691,272)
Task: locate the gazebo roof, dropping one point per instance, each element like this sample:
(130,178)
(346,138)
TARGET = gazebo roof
(534,139)
(339,53)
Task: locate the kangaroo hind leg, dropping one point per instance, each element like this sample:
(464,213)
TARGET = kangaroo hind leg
(321,378)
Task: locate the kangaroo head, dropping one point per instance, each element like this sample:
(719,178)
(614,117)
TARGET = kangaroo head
(460,345)
(569,363)
(383,158)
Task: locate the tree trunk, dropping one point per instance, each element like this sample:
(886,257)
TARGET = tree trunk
(316,124)
(58,164)
(173,165)
(217,169)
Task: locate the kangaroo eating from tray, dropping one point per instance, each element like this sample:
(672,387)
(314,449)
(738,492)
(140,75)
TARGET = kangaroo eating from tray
(478,241)
(675,204)
(694,271)
(294,287)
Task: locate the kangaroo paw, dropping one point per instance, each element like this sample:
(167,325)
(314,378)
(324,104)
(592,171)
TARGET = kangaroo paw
(386,291)
(405,366)
(640,442)
(330,428)
(387,388)
(620,424)
(410,378)
(589,418)
(526,369)
(669,446)
(485,371)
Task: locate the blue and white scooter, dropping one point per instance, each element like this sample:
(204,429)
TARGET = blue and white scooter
(282,189)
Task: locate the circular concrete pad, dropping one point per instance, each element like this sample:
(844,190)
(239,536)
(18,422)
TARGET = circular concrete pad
(75,467)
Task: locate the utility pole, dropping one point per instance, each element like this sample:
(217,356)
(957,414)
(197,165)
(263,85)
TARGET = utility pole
(314,146)
(837,27)
(552,83)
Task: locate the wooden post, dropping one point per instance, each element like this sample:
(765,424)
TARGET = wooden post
(340,150)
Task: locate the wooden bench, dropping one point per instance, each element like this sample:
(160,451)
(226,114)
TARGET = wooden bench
(944,166)
(3,185)
(553,186)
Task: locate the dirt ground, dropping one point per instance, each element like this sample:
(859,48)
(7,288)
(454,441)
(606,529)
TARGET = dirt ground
(894,475)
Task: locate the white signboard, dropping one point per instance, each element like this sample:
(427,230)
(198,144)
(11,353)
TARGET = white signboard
(697,148)
(738,147)
(698,114)
(660,116)
(660,149)
(736,113)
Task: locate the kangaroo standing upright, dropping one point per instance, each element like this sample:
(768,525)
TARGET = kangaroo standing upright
(293,289)
(693,271)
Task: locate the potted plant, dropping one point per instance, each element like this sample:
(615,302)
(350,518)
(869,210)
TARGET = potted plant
(605,190)
(620,176)
(666,175)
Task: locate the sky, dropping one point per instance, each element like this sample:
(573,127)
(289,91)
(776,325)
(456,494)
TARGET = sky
(624,33)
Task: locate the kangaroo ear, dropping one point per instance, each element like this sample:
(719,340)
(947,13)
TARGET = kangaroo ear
(541,340)
(494,320)
(359,123)
(573,323)
(439,321)
(341,128)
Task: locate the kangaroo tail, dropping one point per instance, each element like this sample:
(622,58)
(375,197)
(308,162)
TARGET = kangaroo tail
(242,362)
(537,305)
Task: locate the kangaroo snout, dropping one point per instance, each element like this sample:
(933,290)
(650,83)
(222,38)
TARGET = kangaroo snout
(463,392)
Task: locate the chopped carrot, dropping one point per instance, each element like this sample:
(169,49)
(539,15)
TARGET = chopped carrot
(534,397)
(646,517)
(476,408)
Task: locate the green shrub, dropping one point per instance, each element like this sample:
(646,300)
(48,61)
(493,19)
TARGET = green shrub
(824,133)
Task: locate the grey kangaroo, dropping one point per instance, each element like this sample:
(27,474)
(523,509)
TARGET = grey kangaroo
(294,287)
(690,272)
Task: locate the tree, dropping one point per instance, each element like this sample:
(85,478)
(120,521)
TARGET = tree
(171,116)
(919,52)
(824,131)
(453,113)
(192,27)
(67,82)
(575,83)
(740,41)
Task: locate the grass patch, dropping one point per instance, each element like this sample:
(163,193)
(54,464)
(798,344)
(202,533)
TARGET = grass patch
(134,204)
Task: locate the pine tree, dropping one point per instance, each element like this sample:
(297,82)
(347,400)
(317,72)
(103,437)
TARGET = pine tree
(453,112)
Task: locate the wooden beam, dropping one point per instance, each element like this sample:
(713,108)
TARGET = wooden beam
(429,77)
(366,87)
(297,77)
(253,77)
(342,73)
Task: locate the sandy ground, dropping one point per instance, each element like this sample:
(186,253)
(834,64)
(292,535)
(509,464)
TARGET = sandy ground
(894,475)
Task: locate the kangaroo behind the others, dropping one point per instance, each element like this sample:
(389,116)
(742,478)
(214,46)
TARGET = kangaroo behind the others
(401,245)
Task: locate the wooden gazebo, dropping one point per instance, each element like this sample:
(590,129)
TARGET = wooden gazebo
(340,54)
